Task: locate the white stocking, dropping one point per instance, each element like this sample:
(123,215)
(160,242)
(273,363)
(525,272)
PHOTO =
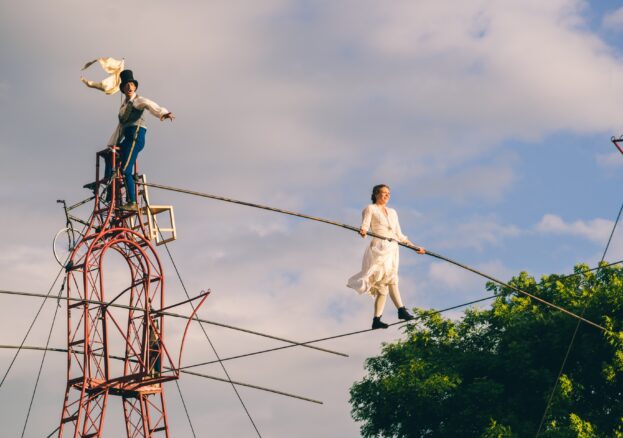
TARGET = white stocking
(379,304)
(394,294)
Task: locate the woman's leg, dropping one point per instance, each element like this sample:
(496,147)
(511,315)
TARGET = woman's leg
(403,313)
(379,304)
(394,294)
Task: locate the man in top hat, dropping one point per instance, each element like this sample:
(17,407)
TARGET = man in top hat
(130,132)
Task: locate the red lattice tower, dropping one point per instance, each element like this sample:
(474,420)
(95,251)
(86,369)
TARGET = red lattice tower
(116,343)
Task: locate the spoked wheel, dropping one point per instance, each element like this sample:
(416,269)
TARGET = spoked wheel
(64,244)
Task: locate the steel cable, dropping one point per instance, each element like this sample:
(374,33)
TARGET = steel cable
(352,228)
(47,343)
(575,332)
(211,344)
(31,326)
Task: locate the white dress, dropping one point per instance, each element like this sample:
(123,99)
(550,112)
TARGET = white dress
(379,267)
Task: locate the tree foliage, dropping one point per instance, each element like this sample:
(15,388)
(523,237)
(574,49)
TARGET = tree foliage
(491,373)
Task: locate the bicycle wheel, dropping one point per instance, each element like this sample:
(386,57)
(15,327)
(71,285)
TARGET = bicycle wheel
(64,244)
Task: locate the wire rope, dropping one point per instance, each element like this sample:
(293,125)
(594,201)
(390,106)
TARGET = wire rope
(31,326)
(177,315)
(585,271)
(179,276)
(342,335)
(179,390)
(579,318)
(575,333)
(352,228)
(47,343)
(185,371)
(206,376)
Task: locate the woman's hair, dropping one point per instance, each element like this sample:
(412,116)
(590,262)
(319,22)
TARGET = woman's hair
(375,191)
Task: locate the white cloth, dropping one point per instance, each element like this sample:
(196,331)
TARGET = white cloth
(110,85)
(379,267)
(141,103)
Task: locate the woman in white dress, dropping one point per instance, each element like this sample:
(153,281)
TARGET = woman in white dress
(379,269)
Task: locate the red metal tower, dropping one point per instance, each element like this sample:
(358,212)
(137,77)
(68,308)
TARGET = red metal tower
(116,350)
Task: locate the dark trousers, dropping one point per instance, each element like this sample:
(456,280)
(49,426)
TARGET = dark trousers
(132,143)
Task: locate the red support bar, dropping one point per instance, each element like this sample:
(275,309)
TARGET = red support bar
(90,376)
(190,319)
(616,142)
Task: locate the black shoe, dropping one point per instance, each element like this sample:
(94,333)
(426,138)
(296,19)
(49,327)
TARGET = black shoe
(377,323)
(90,186)
(404,314)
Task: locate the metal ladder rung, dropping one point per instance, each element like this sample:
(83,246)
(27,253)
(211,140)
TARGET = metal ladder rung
(68,419)
(75,380)
(76,267)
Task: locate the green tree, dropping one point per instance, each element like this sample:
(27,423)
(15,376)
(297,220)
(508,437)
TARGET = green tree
(490,373)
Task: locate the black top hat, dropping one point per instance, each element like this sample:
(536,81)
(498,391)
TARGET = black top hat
(127,76)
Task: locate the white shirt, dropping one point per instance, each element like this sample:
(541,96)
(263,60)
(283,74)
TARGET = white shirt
(374,219)
(141,103)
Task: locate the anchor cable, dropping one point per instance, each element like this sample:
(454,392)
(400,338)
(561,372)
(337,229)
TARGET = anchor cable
(575,332)
(31,326)
(179,276)
(47,343)
(342,335)
(179,390)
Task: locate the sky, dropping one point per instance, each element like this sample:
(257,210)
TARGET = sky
(490,120)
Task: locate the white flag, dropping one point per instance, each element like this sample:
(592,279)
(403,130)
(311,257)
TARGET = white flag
(112,66)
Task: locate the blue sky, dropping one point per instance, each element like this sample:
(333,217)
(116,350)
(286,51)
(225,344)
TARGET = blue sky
(490,120)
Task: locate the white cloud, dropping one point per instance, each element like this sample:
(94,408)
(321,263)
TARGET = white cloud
(596,230)
(379,91)
(497,269)
(477,233)
(300,105)
(613,21)
(459,279)
(488,182)
(452,276)
(482,69)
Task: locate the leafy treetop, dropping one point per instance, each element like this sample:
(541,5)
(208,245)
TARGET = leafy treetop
(490,374)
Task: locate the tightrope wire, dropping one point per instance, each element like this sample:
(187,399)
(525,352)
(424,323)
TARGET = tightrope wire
(352,228)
